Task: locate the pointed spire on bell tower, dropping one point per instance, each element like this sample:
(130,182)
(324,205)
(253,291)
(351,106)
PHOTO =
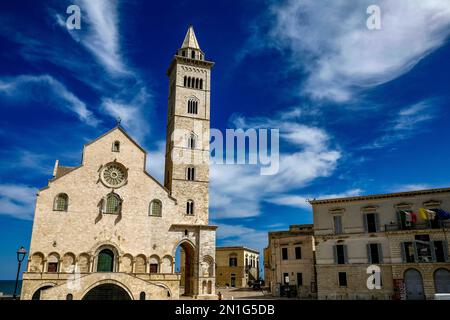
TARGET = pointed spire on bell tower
(190,40)
(190,47)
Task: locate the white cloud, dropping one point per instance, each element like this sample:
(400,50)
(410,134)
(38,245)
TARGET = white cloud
(341,55)
(156,161)
(17,200)
(239,190)
(35,87)
(238,235)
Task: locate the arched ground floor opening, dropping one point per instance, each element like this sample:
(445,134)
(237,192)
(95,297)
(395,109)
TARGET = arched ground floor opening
(442,280)
(37,293)
(185,257)
(414,285)
(107,291)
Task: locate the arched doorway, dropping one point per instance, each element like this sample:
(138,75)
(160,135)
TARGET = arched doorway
(107,291)
(186,256)
(414,285)
(105,262)
(442,281)
(37,294)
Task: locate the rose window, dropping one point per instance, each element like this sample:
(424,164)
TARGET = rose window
(114,175)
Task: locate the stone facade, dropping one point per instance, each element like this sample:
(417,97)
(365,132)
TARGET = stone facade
(290,262)
(108,221)
(236,266)
(354,233)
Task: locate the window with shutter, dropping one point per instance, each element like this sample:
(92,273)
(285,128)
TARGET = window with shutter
(345,254)
(337,224)
(369,253)
(446,257)
(373,252)
(341,254)
(380,253)
(408,252)
(439,251)
(371,225)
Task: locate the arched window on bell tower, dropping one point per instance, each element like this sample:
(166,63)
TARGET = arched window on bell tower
(192,140)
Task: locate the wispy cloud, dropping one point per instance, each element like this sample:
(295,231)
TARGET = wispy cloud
(35,87)
(415,187)
(407,122)
(100,20)
(301,201)
(130,111)
(239,190)
(17,200)
(124,94)
(340,55)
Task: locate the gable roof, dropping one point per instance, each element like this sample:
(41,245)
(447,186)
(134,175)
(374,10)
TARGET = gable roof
(121,129)
(67,170)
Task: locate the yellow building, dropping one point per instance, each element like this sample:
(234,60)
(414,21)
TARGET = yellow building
(289,262)
(236,266)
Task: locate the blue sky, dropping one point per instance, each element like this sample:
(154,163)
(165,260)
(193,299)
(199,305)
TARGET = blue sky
(359,111)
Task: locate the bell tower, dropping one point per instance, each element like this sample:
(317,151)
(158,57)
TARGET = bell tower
(188,130)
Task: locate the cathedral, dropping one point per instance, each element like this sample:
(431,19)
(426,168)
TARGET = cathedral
(108,230)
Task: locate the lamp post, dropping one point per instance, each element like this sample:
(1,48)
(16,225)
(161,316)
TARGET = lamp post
(21,253)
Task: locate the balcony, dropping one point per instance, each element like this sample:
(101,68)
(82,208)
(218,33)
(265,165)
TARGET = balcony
(417,226)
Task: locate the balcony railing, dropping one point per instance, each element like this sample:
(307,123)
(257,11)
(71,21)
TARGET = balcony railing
(417,226)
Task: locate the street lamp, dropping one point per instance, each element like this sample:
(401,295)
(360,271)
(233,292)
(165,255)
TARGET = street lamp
(21,253)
